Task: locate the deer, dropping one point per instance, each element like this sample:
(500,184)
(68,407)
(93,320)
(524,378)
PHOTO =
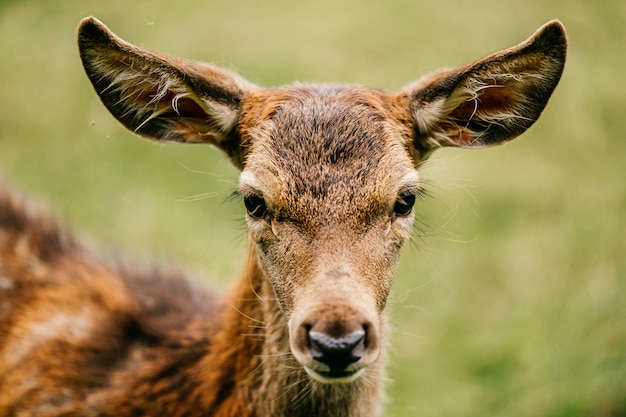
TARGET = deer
(329,179)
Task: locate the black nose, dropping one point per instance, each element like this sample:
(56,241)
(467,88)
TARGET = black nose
(337,353)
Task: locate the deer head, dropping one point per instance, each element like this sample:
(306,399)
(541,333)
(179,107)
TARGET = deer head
(328,172)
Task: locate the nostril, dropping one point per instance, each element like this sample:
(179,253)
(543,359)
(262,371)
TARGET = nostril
(337,353)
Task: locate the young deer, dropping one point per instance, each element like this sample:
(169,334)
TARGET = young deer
(328,178)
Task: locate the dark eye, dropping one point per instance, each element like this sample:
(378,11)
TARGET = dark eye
(255,205)
(404,203)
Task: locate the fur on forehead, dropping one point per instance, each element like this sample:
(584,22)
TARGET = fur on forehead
(323,132)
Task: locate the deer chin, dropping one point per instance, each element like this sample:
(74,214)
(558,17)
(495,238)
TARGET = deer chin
(329,376)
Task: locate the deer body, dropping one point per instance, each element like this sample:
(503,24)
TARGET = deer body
(328,180)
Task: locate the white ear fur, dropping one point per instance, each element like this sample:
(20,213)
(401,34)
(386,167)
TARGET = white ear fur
(158,96)
(492,100)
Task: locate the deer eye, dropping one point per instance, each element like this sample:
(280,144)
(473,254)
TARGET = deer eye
(255,205)
(404,203)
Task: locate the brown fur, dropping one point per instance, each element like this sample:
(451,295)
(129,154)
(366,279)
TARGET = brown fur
(328,178)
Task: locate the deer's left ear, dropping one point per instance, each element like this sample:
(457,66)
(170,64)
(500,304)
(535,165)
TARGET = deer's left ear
(490,101)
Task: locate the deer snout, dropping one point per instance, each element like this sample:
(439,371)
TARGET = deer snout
(337,353)
(334,345)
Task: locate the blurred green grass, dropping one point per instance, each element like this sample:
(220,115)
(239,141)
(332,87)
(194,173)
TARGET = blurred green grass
(513,305)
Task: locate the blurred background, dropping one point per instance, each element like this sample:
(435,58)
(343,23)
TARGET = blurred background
(511,299)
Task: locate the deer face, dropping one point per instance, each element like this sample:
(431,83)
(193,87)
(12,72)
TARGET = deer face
(328,172)
(329,184)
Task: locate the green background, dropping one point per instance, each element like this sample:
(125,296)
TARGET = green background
(510,302)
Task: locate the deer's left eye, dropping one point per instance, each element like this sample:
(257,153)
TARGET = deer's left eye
(404,203)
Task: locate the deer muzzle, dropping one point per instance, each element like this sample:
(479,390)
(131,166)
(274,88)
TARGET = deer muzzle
(334,341)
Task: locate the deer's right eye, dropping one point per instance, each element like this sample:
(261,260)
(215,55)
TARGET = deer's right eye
(255,205)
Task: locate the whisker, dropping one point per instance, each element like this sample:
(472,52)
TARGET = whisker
(247,316)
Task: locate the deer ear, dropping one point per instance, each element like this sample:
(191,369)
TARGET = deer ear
(490,101)
(162,97)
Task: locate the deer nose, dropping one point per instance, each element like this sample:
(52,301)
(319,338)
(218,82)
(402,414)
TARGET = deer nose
(337,352)
(335,342)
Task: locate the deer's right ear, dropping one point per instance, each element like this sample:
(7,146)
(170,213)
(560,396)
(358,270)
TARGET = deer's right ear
(162,97)
(490,101)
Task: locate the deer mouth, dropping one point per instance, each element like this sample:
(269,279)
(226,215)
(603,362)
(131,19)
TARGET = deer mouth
(334,376)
